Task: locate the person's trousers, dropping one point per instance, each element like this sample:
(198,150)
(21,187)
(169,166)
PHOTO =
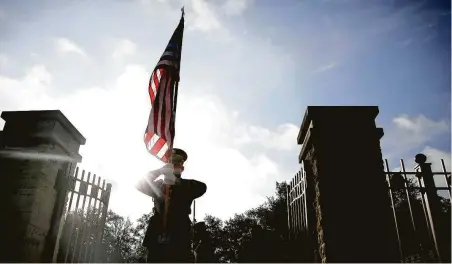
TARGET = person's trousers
(175,252)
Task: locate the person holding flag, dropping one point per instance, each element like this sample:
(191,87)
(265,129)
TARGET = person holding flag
(178,228)
(167,237)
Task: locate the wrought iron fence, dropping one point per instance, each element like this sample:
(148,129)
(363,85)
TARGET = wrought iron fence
(297,204)
(420,202)
(84,221)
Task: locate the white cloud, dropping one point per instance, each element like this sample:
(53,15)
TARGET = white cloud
(410,136)
(434,156)
(236,7)
(112,118)
(232,155)
(206,18)
(283,138)
(326,67)
(410,133)
(124,47)
(205,15)
(38,77)
(418,130)
(31,87)
(34,55)
(420,126)
(65,45)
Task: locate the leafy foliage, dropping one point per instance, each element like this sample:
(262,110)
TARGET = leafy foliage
(233,241)
(214,226)
(231,237)
(122,239)
(119,238)
(80,235)
(412,224)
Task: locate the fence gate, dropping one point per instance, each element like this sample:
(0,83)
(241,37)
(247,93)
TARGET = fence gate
(80,235)
(301,217)
(297,205)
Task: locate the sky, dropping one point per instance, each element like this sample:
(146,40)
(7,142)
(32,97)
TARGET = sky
(249,70)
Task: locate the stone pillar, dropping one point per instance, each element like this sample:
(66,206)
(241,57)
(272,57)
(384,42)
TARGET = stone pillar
(38,151)
(341,147)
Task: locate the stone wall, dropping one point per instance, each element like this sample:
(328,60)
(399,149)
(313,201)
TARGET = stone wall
(38,150)
(350,202)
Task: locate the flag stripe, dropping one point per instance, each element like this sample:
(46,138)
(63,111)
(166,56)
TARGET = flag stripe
(161,108)
(157,146)
(163,150)
(170,53)
(168,63)
(153,141)
(152,89)
(159,134)
(168,114)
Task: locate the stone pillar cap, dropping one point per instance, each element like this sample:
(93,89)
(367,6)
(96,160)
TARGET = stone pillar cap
(45,114)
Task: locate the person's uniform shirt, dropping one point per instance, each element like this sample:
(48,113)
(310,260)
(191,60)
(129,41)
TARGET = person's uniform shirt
(181,198)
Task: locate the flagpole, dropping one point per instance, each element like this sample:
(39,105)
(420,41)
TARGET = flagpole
(194,212)
(170,149)
(176,89)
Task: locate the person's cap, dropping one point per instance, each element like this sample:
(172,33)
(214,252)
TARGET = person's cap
(179,155)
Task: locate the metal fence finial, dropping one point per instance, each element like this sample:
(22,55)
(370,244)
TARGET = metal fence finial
(420,159)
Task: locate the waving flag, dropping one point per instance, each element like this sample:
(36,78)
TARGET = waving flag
(163,86)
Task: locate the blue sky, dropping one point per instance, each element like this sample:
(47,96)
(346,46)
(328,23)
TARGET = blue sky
(249,70)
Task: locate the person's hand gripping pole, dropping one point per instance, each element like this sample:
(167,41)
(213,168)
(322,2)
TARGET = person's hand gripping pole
(168,180)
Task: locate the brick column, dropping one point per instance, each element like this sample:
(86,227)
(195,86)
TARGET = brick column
(38,150)
(353,218)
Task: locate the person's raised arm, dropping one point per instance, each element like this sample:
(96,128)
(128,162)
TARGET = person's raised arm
(147,185)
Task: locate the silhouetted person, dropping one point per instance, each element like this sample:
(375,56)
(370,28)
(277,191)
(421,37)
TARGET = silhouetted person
(182,194)
(203,247)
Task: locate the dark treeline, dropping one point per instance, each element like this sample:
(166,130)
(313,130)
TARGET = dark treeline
(261,233)
(232,240)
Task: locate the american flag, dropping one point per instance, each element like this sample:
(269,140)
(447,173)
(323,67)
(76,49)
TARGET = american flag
(159,134)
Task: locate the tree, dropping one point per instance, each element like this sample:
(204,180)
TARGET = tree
(229,237)
(214,227)
(273,213)
(139,231)
(408,206)
(237,231)
(80,236)
(121,244)
(122,239)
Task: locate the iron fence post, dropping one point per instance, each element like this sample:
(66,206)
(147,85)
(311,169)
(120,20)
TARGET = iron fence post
(432,200)
(289,215)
